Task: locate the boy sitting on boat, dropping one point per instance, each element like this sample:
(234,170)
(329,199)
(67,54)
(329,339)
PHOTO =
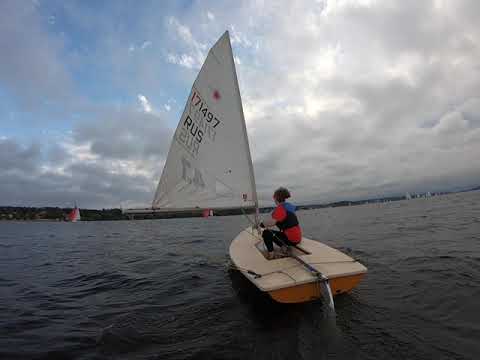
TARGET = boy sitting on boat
(283,216)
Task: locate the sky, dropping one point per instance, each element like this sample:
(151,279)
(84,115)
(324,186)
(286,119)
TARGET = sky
(342,99)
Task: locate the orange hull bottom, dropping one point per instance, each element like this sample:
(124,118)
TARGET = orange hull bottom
(312,291)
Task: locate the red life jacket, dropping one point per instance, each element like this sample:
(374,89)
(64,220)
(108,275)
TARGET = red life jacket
(287,221)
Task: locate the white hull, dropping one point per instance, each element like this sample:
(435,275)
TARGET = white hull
(286,279)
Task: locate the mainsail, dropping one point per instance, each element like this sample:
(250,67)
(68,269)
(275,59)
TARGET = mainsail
(74,215)
(209,163)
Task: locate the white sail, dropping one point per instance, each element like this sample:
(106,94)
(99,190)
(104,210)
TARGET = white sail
(209,164)
(74,215)
(77,215)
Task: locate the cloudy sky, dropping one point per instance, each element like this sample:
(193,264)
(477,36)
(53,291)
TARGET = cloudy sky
(343,99)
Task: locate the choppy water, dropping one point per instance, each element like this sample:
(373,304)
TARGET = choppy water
(161,289)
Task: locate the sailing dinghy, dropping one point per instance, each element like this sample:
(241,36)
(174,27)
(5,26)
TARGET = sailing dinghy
(209,166)
(74,215)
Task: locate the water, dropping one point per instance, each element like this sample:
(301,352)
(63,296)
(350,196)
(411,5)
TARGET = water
(162,290)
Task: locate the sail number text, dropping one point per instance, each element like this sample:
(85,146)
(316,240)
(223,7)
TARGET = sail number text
(190,136)
(202,108)
(199,123)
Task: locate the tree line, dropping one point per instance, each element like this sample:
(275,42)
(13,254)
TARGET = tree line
(57,213)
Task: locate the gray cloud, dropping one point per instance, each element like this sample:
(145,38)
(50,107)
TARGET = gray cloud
(126,134)
(400,76)
(89,187)
(115,158)
(89,184)
(341,100)
(15,157)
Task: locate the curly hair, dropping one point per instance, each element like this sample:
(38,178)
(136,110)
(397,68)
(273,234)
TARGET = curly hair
(281,194)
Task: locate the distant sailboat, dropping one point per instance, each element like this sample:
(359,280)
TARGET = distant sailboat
(209,167)
(207,212)
(74,215)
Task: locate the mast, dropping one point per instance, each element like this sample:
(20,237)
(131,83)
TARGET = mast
(244,127)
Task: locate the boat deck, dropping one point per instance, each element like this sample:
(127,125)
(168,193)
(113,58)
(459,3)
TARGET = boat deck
(247,253)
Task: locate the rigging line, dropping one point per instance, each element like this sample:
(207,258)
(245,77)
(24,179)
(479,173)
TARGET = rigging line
(257,236)
(250,221)
(251,272)
(257,275)
(282,271)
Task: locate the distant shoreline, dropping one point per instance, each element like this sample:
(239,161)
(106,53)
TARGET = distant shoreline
(56,214)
